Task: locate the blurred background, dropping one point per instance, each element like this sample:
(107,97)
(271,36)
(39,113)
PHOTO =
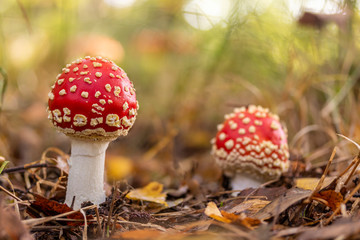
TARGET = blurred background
(191,61)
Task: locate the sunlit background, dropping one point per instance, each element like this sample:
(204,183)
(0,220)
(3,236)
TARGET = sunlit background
(191,62)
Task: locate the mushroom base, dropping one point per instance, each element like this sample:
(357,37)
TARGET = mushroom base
(86,174)
(242,181)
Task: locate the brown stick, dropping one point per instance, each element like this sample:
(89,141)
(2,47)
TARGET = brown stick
(23,168)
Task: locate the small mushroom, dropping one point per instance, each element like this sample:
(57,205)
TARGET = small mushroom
(251,147)
(93,102)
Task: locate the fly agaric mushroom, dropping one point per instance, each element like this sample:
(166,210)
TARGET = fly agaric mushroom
(93,102)
(251,147)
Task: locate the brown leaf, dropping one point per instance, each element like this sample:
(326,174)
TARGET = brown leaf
(250,206)
(332,199)
(52,208)
(339,230)
(280,204)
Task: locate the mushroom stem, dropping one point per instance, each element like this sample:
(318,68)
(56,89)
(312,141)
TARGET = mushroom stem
(242,181)
(86,174)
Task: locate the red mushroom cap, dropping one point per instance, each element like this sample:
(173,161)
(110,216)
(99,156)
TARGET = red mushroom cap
(93,99)
(252,140)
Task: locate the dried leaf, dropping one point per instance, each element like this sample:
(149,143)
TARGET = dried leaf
(338,230)
(212,211)
(225,217)
(150,193)
(52,208)
(282,203)
(332,199)
(311,183)
(250,206)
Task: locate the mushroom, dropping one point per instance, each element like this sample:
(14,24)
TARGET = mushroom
(251,147)
(93,102)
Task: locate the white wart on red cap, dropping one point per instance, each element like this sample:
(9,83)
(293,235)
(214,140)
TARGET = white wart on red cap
(251,140)
(93,99)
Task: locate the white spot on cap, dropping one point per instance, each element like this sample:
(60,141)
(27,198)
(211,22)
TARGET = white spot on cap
(51,95)
(87,80)
(113,68)
(132,112)
(229,144)
(126,122)
(85,94)
(252,109)
(66,112)
(80,120)
(102,101)
(85,66)
(97,64)
(71,79)
(98,74)
(97,107)
(108,87)
(96,121)
(268,151)
(73,88)
(62,92)
(246,120)
(75,69)
(111,75)
(220,127)
(274,125)
(241,115)
(252,129)
(84,72)
(125,106)
(57,115)
(97,94)
(222,136)
(110,101)
(60,81)
(66,70)
(257,122)
(132,91)
(113,120)
(117,91)
(242,131)
(232,125)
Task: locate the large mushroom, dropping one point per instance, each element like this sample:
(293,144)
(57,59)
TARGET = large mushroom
(251,147)
(93,102)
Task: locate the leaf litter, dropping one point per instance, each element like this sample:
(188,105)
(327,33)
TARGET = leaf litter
(293,207)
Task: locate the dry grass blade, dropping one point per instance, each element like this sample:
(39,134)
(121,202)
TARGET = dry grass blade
(344,202)
(10,194)
(320,183)
(85,225)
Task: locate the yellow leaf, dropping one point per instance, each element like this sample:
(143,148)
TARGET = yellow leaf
(311,183)
(212,211)
(150,193)
(118,167)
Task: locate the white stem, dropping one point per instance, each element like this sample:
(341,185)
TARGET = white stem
(86,174)
(242,181)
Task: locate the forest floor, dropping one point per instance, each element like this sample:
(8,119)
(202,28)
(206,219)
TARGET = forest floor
(316,207)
